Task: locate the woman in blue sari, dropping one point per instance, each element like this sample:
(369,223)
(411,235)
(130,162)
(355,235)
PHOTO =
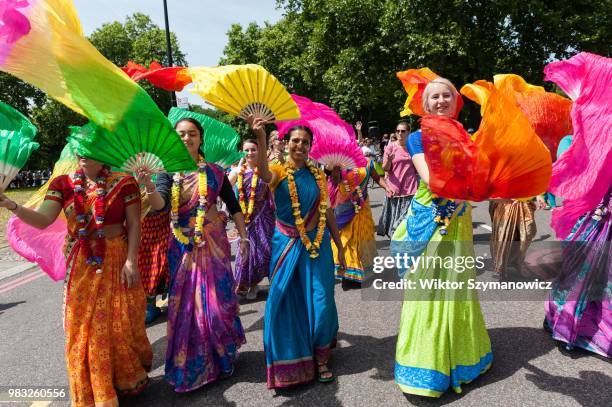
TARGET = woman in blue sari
(301,321)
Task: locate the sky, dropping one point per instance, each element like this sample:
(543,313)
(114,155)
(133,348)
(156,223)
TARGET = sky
(200,25)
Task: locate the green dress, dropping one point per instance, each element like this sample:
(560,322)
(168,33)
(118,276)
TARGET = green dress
(442,340)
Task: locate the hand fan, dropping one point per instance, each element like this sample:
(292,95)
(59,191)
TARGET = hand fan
(244,90)
(16,144)
(220,140)
(333,143)
(173,78)
(45,47)
(582,174)
(134,145)
(337,151)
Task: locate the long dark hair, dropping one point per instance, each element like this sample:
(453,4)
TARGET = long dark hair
(198,126)
(248,140)
(296,128)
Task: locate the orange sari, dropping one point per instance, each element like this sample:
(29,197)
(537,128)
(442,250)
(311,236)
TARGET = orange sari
(107,349)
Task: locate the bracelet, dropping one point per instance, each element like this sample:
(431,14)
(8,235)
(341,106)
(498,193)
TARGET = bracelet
(15,208)
(245,239)
(150,192)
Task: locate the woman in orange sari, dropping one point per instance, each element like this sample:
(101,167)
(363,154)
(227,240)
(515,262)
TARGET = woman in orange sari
(107,350)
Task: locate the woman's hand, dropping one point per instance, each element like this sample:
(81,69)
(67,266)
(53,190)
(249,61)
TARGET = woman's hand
(257,126)
(143,177)
(129,274)
(7,203)
(341,260)
(245,245)
(358,126)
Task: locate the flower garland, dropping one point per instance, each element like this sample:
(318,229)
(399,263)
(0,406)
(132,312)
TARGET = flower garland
(312,247)
(349,185)
(201,209)
(443,213)
(95,258)
(248,211)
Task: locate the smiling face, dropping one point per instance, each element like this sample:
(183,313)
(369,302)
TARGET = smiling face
(401,133)
(299,145)
(440,100)
(190,135)
(250,150)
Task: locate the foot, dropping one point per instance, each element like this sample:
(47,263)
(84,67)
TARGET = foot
(152,313)
(324,374)
(252,294)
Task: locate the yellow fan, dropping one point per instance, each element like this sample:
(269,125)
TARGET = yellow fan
(244,90)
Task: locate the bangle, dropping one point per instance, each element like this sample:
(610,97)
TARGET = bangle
(245,239)
(15,208)
(150,192)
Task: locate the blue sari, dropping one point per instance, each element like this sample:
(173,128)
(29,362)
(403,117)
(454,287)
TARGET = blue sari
(301,320)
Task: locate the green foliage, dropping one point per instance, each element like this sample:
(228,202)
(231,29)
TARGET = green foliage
(52,120)
(18,94)
(141,41)
(346,52)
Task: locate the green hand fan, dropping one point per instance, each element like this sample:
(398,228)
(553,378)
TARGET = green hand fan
(16,145)
(220,140)
(135,145)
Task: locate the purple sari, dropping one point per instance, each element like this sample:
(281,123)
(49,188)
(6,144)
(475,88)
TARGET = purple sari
(252,269)
(579,309)
(204,331)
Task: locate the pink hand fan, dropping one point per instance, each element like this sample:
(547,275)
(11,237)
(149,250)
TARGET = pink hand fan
(334,141)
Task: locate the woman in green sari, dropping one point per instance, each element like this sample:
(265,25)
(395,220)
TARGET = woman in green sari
(442,340)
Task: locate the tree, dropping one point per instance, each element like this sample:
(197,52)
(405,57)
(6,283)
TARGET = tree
(52,120)
(141,41)
(346,52)
(19,94)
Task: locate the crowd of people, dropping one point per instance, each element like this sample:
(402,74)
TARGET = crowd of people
(30,179)
(301,227)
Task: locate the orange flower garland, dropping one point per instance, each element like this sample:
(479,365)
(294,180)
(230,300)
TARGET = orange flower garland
(247,210)
(312,247)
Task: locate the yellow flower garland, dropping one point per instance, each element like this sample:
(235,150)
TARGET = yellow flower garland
(312,247)
(201,211)
(248,211)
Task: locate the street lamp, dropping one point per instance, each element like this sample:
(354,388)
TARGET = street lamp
(169,49)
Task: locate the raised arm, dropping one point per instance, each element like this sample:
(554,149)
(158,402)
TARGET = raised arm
(257,126)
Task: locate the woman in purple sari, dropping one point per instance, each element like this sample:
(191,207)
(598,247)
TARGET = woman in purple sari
(204,331)
(257,204)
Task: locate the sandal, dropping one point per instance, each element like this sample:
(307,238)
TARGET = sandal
(324,375)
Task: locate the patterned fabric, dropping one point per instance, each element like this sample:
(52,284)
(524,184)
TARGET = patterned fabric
(204,331)
(153,254)
(513,229)
(442,340)
(356,231)
(579,308)
(251,270)
(107,350)
(301,320)
(393,213)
